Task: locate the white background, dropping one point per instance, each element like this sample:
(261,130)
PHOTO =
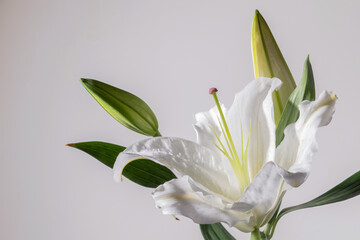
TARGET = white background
(169,53)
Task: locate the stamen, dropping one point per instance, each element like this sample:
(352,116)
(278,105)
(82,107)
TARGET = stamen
(245,154)
(227,140)
(213,92)
(240,168)
(222,149)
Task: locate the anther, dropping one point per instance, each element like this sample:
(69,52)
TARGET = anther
(212,90)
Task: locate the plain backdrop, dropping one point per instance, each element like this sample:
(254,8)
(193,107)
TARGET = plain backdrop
(169,53)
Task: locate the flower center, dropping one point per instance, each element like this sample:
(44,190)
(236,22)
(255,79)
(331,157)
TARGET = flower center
(239,165)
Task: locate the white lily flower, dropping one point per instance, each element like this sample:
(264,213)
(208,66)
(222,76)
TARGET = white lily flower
(234,173)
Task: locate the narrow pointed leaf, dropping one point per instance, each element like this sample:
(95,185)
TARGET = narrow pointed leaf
(304,91)
(102,151)
(215,231)
(269,62)
(126,108)
(143,171)
(347,189)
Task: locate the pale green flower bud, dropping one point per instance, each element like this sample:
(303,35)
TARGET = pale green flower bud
(269,62)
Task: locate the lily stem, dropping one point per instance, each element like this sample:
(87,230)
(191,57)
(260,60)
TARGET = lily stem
(255,235)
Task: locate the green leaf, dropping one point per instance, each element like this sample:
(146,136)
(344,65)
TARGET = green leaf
(304,91)
(347,189)
(215,231)
(147,173)
(143,171)
(102,151)
(126,108)
(269,62)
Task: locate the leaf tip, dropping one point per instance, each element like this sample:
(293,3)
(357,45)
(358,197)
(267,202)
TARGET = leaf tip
(70,145)
(87,81)
(84,82)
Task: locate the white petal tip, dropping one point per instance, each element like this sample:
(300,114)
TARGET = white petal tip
(334,97)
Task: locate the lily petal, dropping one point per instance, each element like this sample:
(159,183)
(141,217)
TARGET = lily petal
(261,197)
(295,152)
(205,166)
(252,111)
(207,127)
(184,197)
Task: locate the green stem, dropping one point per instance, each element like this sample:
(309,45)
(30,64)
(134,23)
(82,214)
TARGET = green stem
(267,229)
(270,227)
(274,225)
(255,235)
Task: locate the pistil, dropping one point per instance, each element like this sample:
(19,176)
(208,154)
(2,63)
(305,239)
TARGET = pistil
(240,167)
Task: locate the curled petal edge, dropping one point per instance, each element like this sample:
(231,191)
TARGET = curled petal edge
(185,197)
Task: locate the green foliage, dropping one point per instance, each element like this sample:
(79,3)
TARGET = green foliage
(102,151)
(143,171)
(126,108)
(215,231)
(347,189)
(304,91)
